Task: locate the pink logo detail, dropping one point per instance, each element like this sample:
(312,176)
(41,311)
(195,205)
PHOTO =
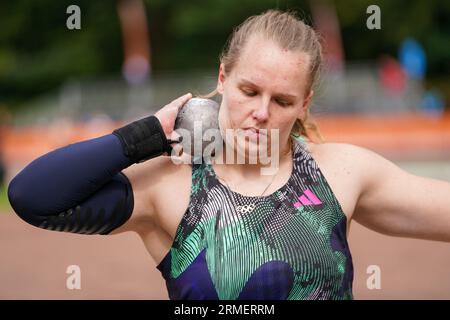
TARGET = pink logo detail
(307,198)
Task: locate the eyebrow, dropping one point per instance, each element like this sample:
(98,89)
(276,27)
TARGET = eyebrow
(281,95)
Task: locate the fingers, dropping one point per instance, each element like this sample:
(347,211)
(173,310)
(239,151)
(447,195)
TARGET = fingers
(179,102)
(177,147)
(171,109)
(175,136)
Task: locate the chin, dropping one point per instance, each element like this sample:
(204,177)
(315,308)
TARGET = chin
(252,151)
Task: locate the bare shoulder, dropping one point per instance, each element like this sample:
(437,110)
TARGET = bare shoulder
(338,148)
(349,169)
(347,155)
(364,164)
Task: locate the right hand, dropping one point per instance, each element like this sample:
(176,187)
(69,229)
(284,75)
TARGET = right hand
(168,114)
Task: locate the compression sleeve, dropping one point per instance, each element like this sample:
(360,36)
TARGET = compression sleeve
(80,188)
(76,188)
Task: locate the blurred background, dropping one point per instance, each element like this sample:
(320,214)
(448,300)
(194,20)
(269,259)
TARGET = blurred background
(386,89)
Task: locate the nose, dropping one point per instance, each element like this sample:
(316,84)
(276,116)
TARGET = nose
(261,113)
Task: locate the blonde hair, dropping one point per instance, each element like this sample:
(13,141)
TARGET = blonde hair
(290,33)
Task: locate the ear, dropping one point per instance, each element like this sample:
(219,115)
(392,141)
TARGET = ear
(306,104)
(221,79)
(307,101)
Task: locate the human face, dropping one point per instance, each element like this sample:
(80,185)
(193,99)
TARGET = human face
(264,90)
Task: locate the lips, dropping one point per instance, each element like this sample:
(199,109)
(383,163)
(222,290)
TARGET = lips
(251,131)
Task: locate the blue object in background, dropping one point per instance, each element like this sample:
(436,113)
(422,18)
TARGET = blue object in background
(413,59)
(433,103)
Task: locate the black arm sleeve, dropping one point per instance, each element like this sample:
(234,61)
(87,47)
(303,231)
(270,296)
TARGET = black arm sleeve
(79,188)
(107,209)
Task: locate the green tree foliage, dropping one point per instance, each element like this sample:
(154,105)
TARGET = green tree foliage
(38,52)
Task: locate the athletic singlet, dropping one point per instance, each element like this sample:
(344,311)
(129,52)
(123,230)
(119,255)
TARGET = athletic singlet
(293,245)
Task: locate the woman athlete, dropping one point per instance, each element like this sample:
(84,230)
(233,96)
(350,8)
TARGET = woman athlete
(224,230)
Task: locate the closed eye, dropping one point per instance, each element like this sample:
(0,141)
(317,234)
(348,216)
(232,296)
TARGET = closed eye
(249,93)
(283,103)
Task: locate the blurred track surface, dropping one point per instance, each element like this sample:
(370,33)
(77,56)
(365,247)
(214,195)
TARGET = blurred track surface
(34,261)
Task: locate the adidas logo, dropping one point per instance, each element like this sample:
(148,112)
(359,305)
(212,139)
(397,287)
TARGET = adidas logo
(307,198)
